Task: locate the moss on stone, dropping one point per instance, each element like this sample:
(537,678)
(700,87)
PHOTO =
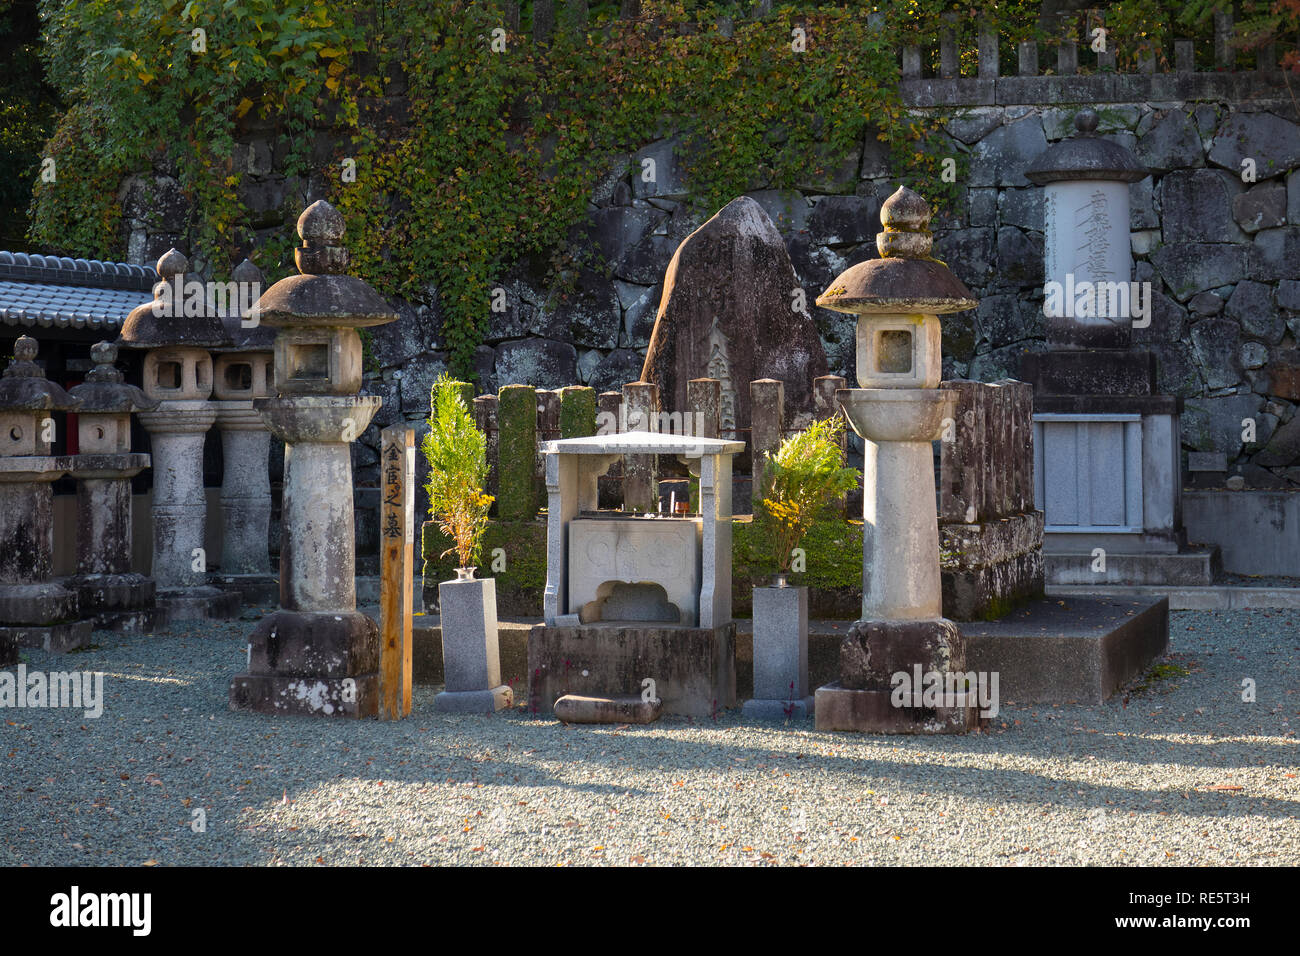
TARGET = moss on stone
(577,411)
(517,452)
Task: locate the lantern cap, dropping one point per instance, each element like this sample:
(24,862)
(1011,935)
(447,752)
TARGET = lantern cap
(163,323)
(105,389)
(1084,156)
(24,387)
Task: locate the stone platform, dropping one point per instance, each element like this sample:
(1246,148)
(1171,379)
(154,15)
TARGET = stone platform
(254,590)
(199,604)
(122,603)
(1188,567)
(55,638)
(694,668)
(1069,649)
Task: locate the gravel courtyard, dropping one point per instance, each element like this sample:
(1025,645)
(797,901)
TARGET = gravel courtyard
(1181,771)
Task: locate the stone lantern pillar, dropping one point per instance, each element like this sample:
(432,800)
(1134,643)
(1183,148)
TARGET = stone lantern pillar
(1107,468)
(178,375)
(316,655)
(111,594)
(899,411)
(34,610)
(241,375)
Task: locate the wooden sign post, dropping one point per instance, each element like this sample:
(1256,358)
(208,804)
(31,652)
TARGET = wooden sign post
(397,539)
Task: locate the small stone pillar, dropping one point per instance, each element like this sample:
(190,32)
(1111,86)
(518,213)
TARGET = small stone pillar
(316,655)
(640,472)
(178,375)
(111,594)
(767,425)
(517,452)
(577,411)
(898,411)
(34,610)
(243,374)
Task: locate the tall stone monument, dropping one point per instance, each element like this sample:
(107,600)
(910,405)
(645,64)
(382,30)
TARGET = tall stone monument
(899,410)
(112,595)
(1107,467)
(243,374)
(35,611)
(316,654)
(176,338)
(732,310)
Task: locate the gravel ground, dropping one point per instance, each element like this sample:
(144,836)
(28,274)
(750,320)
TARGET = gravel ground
(1180,772)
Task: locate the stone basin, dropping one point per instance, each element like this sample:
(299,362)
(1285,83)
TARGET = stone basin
(897,414)
(318,418)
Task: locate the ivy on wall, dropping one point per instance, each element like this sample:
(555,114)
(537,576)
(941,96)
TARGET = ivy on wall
(471,148)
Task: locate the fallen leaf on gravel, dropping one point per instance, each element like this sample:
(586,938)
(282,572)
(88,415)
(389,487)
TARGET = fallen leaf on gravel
(1224,786)
(150,862)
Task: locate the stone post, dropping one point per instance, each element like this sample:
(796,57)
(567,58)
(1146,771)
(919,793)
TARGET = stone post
(898,411)
(704,402)
(517,452)
(767,425)
(178,375)
(485,419)
(609,416)
(316,655)
(577,411)
(111,594)
(242,375)
(34,610)
(640,472)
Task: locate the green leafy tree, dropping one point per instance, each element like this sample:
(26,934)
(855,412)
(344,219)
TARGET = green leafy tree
(804,476)
(457,455)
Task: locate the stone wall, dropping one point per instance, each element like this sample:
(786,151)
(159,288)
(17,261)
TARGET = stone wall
(1221,253)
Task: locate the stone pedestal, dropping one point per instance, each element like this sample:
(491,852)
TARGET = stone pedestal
(177,430)
(780,655)
(471,658)
(245,504)
(112,595)
(316,655)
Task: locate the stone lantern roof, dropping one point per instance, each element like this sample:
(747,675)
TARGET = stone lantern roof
(322,296)
(1085,156)
(150,327)
(905,279)
(105,389)
(256,338)
(24,386)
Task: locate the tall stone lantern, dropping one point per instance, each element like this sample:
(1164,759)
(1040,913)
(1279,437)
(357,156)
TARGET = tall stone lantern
(316,655)
(899,411)
(176,338)
(111,593)
(35,611)
(241,375)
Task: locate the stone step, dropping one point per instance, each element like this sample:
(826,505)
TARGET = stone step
(1211,598)
(574,709)
(1190,567)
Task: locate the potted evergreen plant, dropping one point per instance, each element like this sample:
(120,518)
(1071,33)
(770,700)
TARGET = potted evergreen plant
(457,454)
(805,475)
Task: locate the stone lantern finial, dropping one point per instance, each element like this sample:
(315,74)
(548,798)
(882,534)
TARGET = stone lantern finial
(104,355)
(1085,121)
(905,216)
(322,252)
(172,263)
(23,364)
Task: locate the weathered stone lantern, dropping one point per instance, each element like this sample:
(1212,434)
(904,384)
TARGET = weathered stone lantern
(316,655)
(1106,443)
(899,411)
(34,610)
(242,374)
(111,594)
(178,375)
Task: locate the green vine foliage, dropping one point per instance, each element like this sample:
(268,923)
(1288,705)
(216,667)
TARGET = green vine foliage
(468,156)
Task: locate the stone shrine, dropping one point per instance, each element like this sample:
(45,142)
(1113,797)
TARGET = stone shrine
(1107,447)
(242,374)
(316,655)
(632,598)
(732,310)
(178,375)
(112,595)
(899,410)
(35,611)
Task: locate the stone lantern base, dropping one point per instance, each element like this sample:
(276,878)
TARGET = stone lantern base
(203,603)
(124,603)
(319,663)
(44,616)
(871,697)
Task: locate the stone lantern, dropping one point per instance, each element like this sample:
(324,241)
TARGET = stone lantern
(316,655)
(114,596)
(899,411)
(1106,444)
(178,375)
(34,610)
(242,374)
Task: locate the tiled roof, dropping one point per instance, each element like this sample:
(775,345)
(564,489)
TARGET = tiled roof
(55,292)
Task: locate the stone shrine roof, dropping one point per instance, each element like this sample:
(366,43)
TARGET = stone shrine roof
(1085,156)
(58,292)
(643,443)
